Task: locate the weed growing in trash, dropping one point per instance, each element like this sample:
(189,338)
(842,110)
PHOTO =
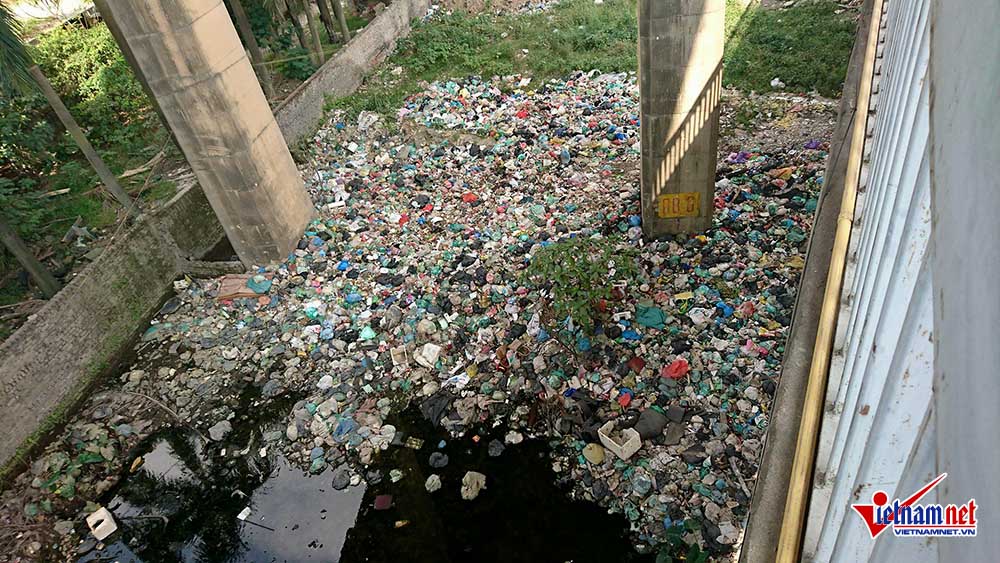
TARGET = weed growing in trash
(582,274)
(675,545)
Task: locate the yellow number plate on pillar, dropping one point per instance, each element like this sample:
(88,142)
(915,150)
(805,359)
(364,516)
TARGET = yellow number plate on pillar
(686,204)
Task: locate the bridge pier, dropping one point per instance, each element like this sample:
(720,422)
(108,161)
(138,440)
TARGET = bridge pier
(680,82)
(191,58)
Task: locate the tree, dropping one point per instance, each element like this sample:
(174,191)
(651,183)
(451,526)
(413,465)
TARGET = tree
(103,172)
(19,75)
(338,8)
(42,276)
(327,18)
(314,30)
(300,33)
(14,59)
(53,7)
(256,56)
(14,77)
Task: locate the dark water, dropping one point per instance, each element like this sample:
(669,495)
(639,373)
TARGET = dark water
(183,505)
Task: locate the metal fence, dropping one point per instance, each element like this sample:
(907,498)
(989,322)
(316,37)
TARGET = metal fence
(878,400)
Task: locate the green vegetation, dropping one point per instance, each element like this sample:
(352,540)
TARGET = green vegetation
(45,183)
(574,35)
(807,46)
(86,66)
(285,55)
(293,62)
(676,550)
(582,272)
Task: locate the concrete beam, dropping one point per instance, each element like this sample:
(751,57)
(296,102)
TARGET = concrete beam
(193,61)
(680,84)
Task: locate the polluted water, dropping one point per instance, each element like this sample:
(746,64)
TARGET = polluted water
(185,504)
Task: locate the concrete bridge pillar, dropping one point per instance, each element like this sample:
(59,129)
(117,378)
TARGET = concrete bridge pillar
(680,82)
(192,60)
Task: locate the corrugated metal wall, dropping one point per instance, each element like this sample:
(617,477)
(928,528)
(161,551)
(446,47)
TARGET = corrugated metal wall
(876,431)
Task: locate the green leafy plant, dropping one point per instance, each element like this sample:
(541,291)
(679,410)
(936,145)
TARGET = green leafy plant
(29,144)
(297,64)
(580,273)
(88,69)
(89,72)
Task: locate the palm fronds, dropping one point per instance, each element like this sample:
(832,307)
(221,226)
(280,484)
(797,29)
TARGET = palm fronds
(14,59)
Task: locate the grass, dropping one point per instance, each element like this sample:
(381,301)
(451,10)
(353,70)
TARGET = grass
(807,46)
(160,191)
(572,36)
(355,22)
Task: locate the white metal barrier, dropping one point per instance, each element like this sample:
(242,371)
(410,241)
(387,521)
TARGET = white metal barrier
(876,431)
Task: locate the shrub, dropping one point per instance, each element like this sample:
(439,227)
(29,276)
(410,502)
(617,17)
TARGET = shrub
(91,75)
(582,272)
(27,137)
(87,68)
(297,64)
(19,201)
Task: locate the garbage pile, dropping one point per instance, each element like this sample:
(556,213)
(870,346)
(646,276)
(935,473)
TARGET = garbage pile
(408,290)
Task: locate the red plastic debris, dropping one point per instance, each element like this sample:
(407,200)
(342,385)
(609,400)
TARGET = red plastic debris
(676,370)
(383,502)
(469,197)
(636,364)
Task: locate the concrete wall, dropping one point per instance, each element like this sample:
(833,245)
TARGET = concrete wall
(965,193)
(77,335)
(55,355)
(300,114)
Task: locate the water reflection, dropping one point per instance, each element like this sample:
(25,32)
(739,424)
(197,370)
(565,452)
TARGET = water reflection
(180,506)
(189,503)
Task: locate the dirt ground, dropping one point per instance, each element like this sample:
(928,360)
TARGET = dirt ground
(773,120)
